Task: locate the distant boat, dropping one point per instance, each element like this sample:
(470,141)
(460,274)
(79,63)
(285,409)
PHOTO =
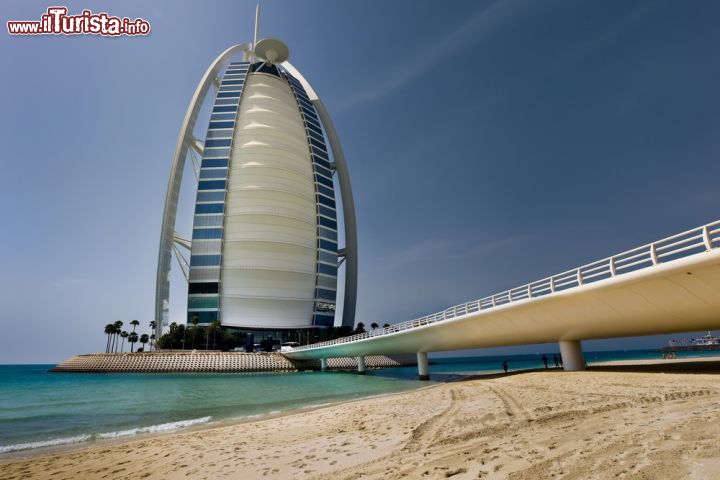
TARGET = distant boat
(705,342)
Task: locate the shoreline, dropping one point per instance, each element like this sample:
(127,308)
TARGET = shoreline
(101,443)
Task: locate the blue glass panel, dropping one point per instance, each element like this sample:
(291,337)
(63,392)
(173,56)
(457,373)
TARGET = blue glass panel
(203,317)
(210,208)
(209,220)
(232,82)
(323,210)
(220,173)
(324,180)
(223,116)
(327,245)
(205,260)
(322,268)
(230,88)
(222,125)
(320,156)
(207,233)
(325,191)
(323,320)
(226,101)
(328,234)
(225,142)
(228,94)
(203,287)
(210,196)
(326,201)
(225,108)
(325,294)
(215,162)
(216,152)
(211,185)
(317,144)
(323,171)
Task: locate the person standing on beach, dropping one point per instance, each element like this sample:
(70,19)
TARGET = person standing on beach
(505,366)
(557,363)
(545,360)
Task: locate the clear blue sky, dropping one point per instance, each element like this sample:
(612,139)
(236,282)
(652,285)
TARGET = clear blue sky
(490,143)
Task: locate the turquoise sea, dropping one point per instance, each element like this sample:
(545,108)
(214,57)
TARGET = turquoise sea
(41,409)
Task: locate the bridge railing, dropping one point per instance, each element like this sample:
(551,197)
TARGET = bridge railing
(704,238)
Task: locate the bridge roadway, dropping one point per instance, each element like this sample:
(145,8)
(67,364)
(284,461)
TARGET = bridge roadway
(668,286)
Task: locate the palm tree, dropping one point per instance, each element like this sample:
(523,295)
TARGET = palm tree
(118,329)
(386,325)
(194,320)
(152,331)
(360,327)
(374,325)
(173,326)
(132,338)
(134,323)
(109,330)
(124,335)
(144,338)
(214,325)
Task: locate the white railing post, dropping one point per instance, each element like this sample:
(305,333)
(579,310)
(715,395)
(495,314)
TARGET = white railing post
(579,277)
(612,267)
(529,291)
(552,284)
(706,238)
(653,254)
(493,300)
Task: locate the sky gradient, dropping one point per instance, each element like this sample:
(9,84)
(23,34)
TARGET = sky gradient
(490,143)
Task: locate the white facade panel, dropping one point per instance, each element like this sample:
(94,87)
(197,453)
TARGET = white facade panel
(269,249)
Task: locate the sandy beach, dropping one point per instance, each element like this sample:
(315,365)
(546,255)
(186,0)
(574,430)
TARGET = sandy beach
(655,420)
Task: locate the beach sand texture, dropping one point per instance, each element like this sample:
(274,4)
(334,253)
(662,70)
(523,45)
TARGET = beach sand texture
(659,421)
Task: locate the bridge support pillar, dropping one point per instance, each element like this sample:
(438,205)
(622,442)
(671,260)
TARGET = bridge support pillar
(572,356)
(422,361)
(361,365)
(323,364)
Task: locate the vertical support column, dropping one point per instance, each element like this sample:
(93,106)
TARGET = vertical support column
(361,365)
(323,364)
(422,361)
(572,356)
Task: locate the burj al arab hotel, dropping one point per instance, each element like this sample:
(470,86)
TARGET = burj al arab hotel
(264,252)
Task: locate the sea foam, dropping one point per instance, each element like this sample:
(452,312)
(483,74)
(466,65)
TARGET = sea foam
(162,427)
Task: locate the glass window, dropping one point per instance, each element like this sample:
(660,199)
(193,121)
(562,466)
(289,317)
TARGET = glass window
(209,220)
(321,157)
(317,144)
(222,125)
(328,234)
(312,127)
(205,260)
(213,173)
(324,180)
(222,142)
(325,191)
(326,201)
(210,196)
(203,317)
(227,108)
(326,282)
(230,88)
(325,294)
(207,233)
(323,171)
(327,245)
(214,162)
(226,101)
(203,302)
(220,133)
(228,94)
(213,152)
(316,136)
(323,320)
(328,257)
(323,210)
(222,116)
(209,208)
(211,185)
(232,82)
(204,287)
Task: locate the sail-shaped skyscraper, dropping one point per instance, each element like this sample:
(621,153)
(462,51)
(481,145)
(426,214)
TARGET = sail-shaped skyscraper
(264,251)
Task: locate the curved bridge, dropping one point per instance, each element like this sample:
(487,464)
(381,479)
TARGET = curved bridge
(672,285)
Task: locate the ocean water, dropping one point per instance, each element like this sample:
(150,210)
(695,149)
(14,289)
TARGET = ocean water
(42,409)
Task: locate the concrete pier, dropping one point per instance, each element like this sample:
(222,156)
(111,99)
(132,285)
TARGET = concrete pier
(422,362)
(572,356)
(361,368)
